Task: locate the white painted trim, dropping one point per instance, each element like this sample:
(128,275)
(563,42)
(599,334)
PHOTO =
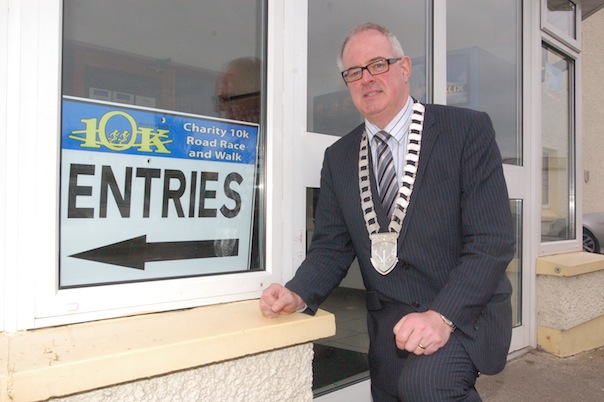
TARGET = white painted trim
(531,128)
(4,29)
(22,173)
(277,255)
(439,33)
(574,43)
(295,98)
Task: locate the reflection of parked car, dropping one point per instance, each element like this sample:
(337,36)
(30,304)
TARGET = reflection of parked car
(593,231)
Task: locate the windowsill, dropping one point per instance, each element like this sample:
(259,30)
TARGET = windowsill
(76,358)
(570,264)
(570,315)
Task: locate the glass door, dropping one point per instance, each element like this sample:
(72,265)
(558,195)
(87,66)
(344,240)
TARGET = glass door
(340,366)
(484,62)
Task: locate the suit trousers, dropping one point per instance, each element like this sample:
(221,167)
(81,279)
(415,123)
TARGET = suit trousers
(397,375)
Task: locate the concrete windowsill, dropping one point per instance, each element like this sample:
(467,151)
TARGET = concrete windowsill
(570,264)
(74,358)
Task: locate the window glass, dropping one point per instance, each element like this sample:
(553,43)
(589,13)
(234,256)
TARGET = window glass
(161,140)
(558,173)
(563,15)
(514,270)
(330,108)
(484,66)
(342,359)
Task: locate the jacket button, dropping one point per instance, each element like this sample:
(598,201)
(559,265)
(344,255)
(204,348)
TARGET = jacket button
(415,304)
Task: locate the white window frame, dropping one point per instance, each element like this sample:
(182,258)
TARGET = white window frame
(576,244)
(4,55)
(574,43)
(32,299)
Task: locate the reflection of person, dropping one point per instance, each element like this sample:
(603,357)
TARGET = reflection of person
(239,99)
(239,90)
(438,299)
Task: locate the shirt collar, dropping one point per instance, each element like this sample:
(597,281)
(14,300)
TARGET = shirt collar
(397,127)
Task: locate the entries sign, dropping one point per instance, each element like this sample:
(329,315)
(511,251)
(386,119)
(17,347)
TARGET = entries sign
(148,194)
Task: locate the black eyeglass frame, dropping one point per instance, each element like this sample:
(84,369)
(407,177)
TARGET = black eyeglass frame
(388,61)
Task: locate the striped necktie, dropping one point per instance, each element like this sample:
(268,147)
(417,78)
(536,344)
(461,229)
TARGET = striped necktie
(386,172)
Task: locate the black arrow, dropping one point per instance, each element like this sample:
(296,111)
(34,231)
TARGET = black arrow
(135,252)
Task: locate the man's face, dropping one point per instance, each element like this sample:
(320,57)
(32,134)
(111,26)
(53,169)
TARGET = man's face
(237,99)
(379,98)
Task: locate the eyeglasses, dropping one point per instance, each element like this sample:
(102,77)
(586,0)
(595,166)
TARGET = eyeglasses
(227,98)
(375,68)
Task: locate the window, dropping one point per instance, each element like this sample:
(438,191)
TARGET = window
(484,72)
(561,19)
(515,268)
(155,183)
(484,67)
(562,14)
(342,359)
(162,158)
(558,152)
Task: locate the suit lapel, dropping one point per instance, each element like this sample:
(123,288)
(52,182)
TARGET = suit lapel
(429,135)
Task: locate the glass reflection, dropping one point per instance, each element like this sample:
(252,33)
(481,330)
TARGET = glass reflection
(558,173)
(197,59)
(563,15)
(330,109)
(514,270)
(484,66)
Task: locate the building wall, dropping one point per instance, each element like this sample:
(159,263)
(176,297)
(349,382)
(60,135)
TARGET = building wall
(280,375)
(225,352)
(272,376)
(593,112)
(570,313)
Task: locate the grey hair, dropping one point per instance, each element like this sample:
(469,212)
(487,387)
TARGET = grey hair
(397,49)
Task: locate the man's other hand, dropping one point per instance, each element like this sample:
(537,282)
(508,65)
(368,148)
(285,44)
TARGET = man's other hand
(277,300)
(421,333)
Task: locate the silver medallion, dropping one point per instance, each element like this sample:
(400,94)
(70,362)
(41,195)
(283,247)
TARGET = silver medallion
(383,251)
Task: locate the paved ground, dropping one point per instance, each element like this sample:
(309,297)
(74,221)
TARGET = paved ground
(539,376)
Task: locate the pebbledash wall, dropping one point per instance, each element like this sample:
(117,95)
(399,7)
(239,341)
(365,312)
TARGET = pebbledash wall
(245,379)
(282,375)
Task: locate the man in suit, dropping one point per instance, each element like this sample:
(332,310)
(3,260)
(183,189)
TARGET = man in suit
(433,258)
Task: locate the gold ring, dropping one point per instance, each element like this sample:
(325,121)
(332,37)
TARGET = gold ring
(421,346)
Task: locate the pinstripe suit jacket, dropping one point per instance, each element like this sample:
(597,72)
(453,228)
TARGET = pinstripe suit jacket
(455,244)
